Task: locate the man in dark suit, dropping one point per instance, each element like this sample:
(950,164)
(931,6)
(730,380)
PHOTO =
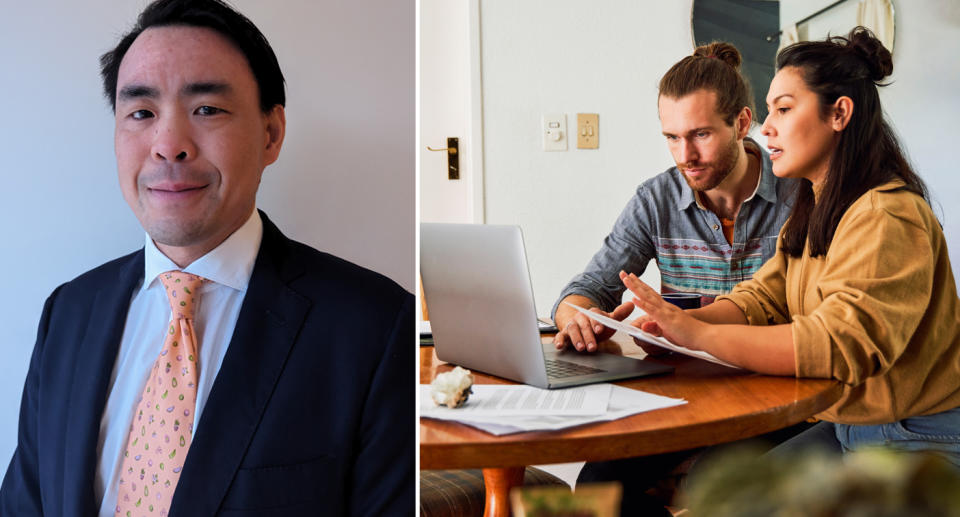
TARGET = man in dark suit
(304,389)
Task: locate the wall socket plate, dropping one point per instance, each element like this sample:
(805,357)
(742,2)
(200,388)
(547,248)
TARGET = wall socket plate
(588,130)
(554,131)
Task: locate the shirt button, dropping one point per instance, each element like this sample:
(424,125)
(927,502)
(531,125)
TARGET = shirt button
(716,227)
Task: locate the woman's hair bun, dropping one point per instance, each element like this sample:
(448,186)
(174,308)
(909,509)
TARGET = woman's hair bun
(877,58)
(720,50)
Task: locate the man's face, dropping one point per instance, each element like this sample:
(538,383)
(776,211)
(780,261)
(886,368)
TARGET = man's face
(191,139)
(704,147)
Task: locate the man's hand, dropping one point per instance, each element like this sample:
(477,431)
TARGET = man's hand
(580,331)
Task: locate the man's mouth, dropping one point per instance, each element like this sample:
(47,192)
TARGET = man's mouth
(176,187)
(775,152)
(175,191)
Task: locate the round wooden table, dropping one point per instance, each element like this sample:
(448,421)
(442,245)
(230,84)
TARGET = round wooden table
(723,405)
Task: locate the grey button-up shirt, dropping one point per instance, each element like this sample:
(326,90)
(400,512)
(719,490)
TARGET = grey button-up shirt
(664,222)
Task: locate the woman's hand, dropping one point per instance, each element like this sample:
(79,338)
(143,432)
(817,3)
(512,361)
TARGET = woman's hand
(646,324)
(663,318)
(765,349)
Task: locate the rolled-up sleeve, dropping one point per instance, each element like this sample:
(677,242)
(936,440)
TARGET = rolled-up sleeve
(628,247)
(875,288)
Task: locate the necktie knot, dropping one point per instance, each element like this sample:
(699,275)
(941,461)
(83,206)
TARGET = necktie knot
(181,292)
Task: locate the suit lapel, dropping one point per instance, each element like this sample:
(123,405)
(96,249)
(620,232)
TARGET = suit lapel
(94,364)
(269,321)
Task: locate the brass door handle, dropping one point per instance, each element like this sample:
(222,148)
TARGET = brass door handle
(453,161)
(451,150)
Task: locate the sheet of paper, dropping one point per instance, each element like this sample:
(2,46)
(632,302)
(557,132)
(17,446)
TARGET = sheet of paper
(623,403)
(546,325)
(659,341)
(491,400)
(425,328)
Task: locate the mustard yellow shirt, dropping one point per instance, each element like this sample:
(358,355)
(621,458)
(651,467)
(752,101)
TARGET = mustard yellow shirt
(879,312)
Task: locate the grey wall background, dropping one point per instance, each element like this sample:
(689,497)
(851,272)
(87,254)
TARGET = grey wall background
(344,182)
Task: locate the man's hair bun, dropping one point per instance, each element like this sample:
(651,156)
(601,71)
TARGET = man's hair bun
(720,50)
(714,67)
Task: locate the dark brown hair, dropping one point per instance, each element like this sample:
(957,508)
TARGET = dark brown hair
(714,67)
(211,14)
(867,153)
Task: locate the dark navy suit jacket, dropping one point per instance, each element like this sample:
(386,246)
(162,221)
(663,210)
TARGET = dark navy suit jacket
(312,412)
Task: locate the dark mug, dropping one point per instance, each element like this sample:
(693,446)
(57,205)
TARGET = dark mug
(683,300)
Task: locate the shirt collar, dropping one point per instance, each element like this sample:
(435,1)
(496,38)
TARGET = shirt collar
(766,187)
(687,197)
(230,263)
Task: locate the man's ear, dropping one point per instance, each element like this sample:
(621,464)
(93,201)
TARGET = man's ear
(842,111)
(275,126)
(743,122)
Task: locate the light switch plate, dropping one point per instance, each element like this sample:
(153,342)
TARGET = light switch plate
(588,130)
(554,131)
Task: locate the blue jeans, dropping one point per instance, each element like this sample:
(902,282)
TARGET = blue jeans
(938,433)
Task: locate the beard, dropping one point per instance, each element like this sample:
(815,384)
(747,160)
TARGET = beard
(718,170)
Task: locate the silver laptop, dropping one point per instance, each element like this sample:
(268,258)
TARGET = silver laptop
(477,287)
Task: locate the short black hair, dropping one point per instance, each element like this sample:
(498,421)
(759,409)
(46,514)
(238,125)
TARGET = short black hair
(211,14)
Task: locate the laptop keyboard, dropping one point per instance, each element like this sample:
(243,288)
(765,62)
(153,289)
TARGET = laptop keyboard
(558,368)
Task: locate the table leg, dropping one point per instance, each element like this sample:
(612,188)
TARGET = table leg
(498,482)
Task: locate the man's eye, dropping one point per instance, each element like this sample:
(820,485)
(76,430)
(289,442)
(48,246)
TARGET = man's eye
(141,114)
(782,110)
(702,134)
(207,111)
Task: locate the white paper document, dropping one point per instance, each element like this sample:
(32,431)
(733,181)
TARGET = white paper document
(622,402)
(506,400)
(659,341)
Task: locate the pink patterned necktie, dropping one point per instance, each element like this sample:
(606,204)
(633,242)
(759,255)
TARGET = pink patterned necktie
(162,426)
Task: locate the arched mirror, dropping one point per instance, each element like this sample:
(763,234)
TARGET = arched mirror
(747,24)
(758,28)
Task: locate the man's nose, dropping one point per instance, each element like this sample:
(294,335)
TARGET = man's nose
(688,152)
(173,141)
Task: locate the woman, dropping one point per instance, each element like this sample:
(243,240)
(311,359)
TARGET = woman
(861,289)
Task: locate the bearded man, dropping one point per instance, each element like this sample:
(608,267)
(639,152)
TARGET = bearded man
(710,221)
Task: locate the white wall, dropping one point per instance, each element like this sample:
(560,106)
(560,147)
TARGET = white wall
(573,57)
(607,57)
(344,182)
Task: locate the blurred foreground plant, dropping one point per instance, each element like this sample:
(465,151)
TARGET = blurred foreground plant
(868,483)
(591,500)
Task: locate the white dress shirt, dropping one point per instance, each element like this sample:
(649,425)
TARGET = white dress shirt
(228,267)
